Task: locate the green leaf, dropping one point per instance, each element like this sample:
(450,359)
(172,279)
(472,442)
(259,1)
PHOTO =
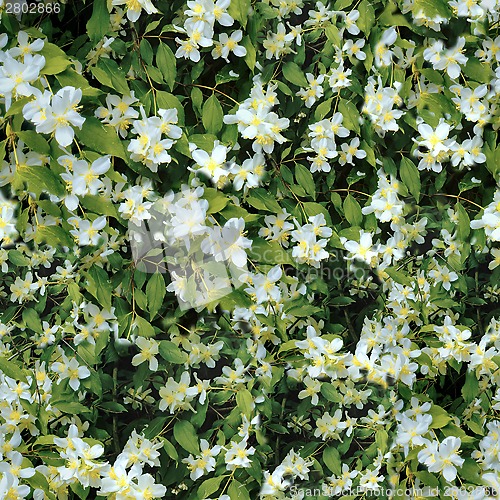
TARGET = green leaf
(115,76)
(237,491)
(171,353)
(440,417)
(366,18)
(34,141)
(170,449)
(209,486)
(463,228)
(239,9)
(294,74)
(331,457)
(301,311)
(155,292)
(17,258)
(212,115)
(144,327)
(70,407)
(55,65)
(352,210)
(100,286)
(410,176)
(11,369)
(100,205)
(98,24)
(69,77)
(216,200)
(40,179)
(432,8)
(251,55)
(268,252)
(101,139)
(330,392)
(399,276)
(32,320)
(471,387)
(263,200)
(185,435)
(53,235)
(166,62)
(305,179)
(245,403)
(146,51)
(350,114)
(428,479)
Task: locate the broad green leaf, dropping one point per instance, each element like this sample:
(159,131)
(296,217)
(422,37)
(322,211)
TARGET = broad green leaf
(245,403)
(209,486)
(268,252)
(54,235)
(350,114)
(101,139)
(305,179)
(251,55)
(166,62)
(440,417)
(212,115)
(98,24)
(237,491)
(144,327)
(331,458)
(155,292)
(40,179)
(463,228)
(294,74)
(12,370)
(366,18)
(185,435)
(171,353)
(239,10)
(330,392)
(410,176)
(34,141)
(352,211)
(216,200)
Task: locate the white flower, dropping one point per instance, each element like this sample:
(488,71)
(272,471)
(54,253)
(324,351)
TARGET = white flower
(238,455)
(442,457)
(148,351)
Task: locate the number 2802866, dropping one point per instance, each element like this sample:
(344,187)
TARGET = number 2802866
(33,7)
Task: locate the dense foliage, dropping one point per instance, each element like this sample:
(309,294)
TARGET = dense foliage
(249,249)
